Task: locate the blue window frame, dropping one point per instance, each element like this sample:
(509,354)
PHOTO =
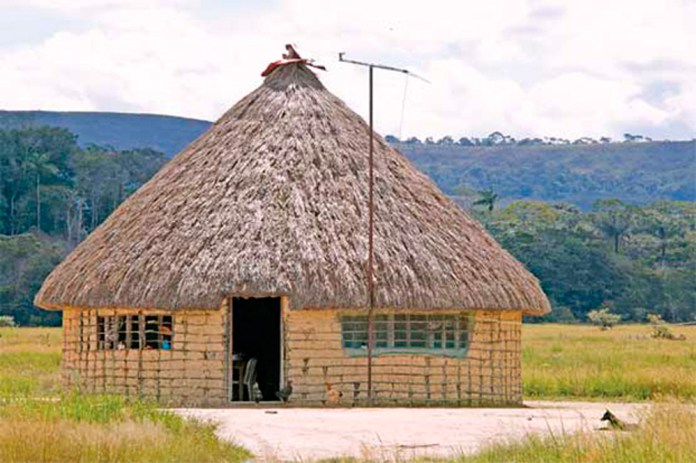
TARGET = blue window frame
(434,334)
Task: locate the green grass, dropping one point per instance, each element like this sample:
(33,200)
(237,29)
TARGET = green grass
(29,362)
(624,363)
(39,424)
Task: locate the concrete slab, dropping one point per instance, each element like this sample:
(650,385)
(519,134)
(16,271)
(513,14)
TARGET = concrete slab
(301,434)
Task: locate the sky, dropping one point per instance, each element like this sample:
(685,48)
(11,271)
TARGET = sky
(526,68)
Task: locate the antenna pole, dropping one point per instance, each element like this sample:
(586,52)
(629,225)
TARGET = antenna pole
(371,208)
(371,251)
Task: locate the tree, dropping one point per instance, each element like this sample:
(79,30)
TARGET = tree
(558,245)
(25,260)
(614,219)
(668,222)
(31,158)
(40,165)
(464,141)
(488,199)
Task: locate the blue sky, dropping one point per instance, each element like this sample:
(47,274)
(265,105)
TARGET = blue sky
(524,67)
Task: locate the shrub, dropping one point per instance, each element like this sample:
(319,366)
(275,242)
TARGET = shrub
(660,330)
(603,318)
(7,321)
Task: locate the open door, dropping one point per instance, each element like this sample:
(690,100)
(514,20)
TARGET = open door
(256,334)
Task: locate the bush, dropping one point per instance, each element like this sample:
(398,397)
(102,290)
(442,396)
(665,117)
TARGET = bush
(661,330)
(7,321)
(603,318)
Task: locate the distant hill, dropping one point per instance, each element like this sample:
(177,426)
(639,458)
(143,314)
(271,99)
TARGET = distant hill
(167,134)
(579,174)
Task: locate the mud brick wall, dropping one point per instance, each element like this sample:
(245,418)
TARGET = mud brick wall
(191,373)
(489,374)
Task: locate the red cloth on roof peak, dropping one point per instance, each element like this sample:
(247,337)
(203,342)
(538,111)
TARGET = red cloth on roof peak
(290,57)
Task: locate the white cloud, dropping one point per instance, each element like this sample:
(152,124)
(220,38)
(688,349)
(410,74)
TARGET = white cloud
(524,67)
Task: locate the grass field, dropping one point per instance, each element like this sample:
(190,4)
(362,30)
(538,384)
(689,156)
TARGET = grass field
(30,362)
(559,362)
(624,363)
(40,425)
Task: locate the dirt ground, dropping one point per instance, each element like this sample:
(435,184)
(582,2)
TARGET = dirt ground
(301,434)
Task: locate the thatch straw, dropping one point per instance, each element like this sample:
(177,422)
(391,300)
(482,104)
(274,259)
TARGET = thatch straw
(272,200)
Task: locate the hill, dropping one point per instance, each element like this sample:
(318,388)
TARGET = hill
(167,134)
(580,174)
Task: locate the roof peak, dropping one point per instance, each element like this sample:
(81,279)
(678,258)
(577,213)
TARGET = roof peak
(292,74)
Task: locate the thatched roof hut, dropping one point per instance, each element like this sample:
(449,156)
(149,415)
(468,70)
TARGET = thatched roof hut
(273,200)
(253,241)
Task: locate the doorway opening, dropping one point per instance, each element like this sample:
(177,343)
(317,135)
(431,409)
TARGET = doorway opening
(256,349)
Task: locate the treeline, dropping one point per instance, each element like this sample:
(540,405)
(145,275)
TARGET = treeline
(632,260)
(499,138)
(52,194)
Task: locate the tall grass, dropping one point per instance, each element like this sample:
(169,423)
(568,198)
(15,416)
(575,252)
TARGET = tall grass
(39,424)
(665,435)
(583,362)
(79,428)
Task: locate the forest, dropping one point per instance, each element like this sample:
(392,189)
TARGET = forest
(632,259)
(53,193)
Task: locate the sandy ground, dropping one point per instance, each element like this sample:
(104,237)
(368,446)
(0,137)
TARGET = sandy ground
(301,434)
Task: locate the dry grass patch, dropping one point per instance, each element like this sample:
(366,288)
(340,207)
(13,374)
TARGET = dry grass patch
(127,441)
(105,429)
(665,434)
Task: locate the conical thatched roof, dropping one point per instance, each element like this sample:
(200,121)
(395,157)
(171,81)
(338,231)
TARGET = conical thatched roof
(272,200)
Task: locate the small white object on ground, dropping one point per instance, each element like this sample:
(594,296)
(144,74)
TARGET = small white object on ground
(294,434)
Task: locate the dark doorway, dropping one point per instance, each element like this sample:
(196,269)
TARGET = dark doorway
(256,335)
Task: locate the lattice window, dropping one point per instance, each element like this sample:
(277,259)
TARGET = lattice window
(407,333)
(119,332)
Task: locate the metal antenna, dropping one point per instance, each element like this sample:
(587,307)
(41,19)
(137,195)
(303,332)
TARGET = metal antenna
(371,208)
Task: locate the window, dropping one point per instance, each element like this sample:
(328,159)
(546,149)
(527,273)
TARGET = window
(407,333)
(119,332)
